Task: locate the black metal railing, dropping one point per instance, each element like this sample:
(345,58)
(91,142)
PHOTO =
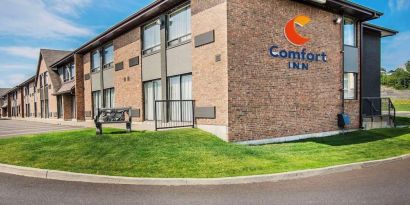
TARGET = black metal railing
(174,114)
(379,107)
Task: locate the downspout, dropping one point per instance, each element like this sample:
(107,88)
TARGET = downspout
(342,94)
(361,77)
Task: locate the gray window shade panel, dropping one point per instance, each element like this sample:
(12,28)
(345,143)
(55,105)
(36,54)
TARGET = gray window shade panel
(351,59)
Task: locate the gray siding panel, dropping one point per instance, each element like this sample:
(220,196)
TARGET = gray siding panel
(151,67)
(351,59)
(109,78)
(95,81)
(179,60)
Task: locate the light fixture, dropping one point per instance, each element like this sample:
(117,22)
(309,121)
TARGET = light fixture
(338,20)
(158,22)
(319,1)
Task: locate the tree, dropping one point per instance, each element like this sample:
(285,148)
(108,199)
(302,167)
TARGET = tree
(400,79)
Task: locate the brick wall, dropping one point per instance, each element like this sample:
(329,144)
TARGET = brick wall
(79,61)
(266,98)
(87,87)
(210,78)
(128,81)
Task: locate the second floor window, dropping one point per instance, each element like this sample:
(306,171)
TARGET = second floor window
(349,28)
(108,57)
(179,26)
(95,61)
(151,38)
(41,81)
(68,72)
(45,78)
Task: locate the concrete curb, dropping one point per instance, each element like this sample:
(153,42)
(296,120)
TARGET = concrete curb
(89,178)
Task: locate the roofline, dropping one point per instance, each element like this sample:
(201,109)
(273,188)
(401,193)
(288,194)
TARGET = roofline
(390,32)
(113,28)
(359,7)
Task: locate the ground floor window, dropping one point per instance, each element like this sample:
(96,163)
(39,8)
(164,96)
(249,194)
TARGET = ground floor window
(96,101)
(109,98)
(180,88)
(152,92)
(73,107)
(350,81)
(47,114)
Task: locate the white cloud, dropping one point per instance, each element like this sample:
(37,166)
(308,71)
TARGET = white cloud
(12,80)
(68,7)
(26,52)
(32,18)
(398,5)
(395,50)
(17,67)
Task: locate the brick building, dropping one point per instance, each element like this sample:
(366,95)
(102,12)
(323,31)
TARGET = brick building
(243,70)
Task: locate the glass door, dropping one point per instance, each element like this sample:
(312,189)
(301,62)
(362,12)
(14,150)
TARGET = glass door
(152,92)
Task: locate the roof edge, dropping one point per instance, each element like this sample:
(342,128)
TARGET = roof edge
(386,32)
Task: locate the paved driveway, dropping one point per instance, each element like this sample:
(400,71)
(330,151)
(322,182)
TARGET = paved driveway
(9,128)
(385,184)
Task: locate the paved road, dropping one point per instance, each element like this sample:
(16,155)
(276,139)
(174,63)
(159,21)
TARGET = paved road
(403,114)
(9,128)
(384,184)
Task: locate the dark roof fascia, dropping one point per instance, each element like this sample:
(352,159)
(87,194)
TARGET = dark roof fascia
(344,7)
(128,23)
(385,32)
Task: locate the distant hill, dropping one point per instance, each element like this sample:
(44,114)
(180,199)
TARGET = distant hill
(395,94)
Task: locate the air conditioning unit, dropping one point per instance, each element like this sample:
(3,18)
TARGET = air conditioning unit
(319,1)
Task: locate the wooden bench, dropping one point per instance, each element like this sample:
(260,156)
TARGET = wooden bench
(113,116)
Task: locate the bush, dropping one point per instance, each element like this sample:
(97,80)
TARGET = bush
(400,79)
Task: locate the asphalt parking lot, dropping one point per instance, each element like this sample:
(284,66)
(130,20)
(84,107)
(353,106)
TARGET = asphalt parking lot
(10,128)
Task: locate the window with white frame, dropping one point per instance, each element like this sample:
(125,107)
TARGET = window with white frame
(179,26)
(349,28)
(349,82)
(95,61)
(151,37)
(108,56)
(109,97)
(68,72)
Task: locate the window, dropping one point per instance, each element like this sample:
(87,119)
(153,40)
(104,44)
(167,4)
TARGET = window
(109,98)
(72,71)
(95,61)
(350,80)
(179,26)
(96,101)
(180,88)
(152,92)
(349,32)
(41,81)
(68,72)
(151,38)
(108,57)
(45,78)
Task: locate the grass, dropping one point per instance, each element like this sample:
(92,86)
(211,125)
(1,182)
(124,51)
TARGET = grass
(402,121)
(193,153)
(402,105)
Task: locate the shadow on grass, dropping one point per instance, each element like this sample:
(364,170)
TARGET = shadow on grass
(360,137)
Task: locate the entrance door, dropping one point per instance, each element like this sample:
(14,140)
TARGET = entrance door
(59,106)
(73,107)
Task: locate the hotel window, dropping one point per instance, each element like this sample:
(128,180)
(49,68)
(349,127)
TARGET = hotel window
(152,92)
(180,88)
(349,28)
(96,101)
(45,78)
(151,38)
(95,61)
(41,81)
(108,57)
(72,71)
(109,97)
(179,26)
(350,80)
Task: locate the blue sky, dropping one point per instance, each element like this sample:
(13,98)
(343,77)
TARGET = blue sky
(28,25)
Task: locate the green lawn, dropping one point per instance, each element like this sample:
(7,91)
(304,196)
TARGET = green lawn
(402,121)
(402,105)
(193,153)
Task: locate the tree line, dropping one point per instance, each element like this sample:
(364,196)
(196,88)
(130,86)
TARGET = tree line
(399,79)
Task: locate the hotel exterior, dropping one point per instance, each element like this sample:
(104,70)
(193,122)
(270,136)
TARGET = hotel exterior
(242,70)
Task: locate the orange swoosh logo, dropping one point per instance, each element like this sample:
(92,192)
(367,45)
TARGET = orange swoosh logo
(290,30)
